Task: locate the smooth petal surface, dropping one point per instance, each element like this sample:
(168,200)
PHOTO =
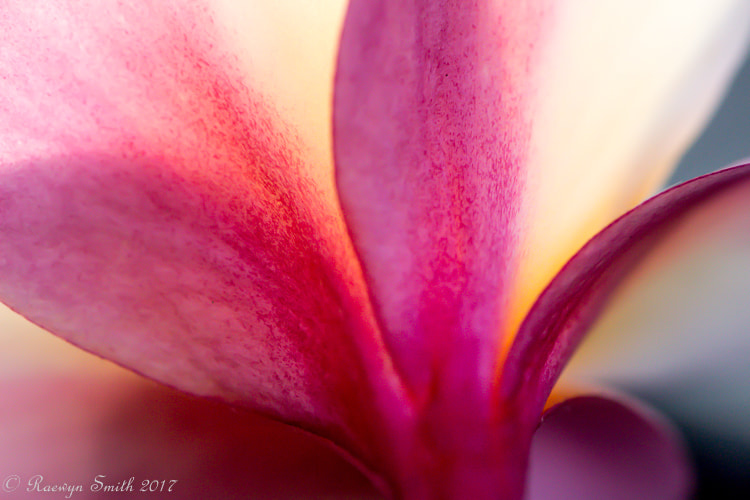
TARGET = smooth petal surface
(590,447)
(478,145)
(672,274)
(678,327)
(158,208)
(621,90)
(79,417)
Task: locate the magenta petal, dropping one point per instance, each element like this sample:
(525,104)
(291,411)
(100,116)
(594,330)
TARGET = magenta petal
(597,447)
(575,298)
(73,429)
(157,211)
(429,132)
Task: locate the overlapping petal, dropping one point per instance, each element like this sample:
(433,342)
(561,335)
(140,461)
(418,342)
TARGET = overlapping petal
(672,228)
(431,131)
(681,322)
(68,418)
(603,445)
(621,90)
(479,145)
(167,201)
(159,207)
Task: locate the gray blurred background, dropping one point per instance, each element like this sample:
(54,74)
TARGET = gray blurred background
(725,141)
(724,466)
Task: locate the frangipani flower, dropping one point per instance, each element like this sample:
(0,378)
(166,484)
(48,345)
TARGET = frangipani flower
(386,270)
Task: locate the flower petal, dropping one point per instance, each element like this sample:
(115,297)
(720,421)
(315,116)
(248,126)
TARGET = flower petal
(649,269)
(430,129)
(85,417)
(676,328)
(622,89)
(478,145)
(159,209)
(288,48)
(605,446)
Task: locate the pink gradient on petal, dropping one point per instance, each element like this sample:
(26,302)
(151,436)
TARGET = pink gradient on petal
(157,210)
(577,295)
(72,428)
(676,328)
(431,125)
(599,447)
(430,133)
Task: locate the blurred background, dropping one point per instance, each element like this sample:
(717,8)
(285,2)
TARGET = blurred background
(725,140)
(724,464)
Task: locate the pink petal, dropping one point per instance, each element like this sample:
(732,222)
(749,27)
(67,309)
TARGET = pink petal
(676,328)
(479,145)
(69,416)
(72,429)
(591,447)
(430,133)
(157,208)
(646,244)
(431,127)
